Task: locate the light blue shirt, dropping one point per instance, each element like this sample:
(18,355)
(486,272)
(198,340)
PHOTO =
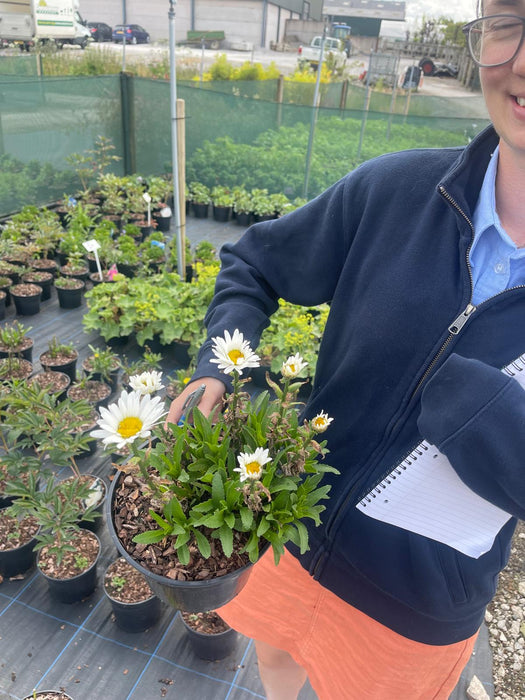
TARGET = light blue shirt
(496,262)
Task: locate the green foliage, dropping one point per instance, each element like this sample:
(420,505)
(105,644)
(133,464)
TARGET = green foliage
(160,306)
(222,69)
(192,471)
(440,30)
(276,159)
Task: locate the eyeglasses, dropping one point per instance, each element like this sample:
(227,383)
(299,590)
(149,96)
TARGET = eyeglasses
(495,40)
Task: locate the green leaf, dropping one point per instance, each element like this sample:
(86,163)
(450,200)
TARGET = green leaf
(246,517)
(264,526)
(217,489)
(183,555)
(303,536)
(202,543)
(226,537)
(150,537)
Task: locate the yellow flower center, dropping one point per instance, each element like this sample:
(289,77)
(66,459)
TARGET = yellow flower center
(292,368)
(319,423)
(253,468)
(129,426)
(235,356)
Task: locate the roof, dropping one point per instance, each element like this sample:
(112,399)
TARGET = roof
(373,9)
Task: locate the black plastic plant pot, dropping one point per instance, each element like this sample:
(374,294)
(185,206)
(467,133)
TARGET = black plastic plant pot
(189,596)
(27,306)
(77,588)
(69,298)
(15,561)
(211,647)
(135,617)
(200,211)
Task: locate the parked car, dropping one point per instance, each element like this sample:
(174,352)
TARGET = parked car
(134,34)
(100,31)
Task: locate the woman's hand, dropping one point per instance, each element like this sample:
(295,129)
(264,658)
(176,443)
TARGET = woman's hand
(211,399)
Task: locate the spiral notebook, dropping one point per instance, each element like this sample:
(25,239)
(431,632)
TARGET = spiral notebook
(424,494)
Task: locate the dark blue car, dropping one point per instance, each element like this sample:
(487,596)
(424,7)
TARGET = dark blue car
(133,33)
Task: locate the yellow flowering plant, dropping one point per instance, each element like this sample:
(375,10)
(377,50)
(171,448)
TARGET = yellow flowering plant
(245,477)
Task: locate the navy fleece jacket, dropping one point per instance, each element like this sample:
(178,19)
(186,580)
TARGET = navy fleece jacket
(387,246)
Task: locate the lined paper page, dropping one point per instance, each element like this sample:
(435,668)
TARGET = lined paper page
(423,494)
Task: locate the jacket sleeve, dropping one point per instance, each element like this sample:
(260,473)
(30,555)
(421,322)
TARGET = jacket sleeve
(475,414)
(297,257)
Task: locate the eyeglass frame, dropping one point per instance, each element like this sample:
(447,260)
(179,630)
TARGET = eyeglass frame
(466,31)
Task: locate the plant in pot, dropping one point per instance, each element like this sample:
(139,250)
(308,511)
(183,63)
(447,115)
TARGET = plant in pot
(42,279)
(67,554)
(76,266)
(48,695)
(27,297)
(14,369)
(94,391)
(127,255)
(242,207)
(69,291)
(135,606)
(263,206)
(209,636)
(200,199)
(108,310)
(61,357)
(208,495)
(222,200)
(153,252)
(102,364)
(15,342)
(205,252)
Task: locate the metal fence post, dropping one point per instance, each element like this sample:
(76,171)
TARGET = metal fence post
(127,104)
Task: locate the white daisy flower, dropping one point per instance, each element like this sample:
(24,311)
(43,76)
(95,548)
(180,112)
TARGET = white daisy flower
(132,417)
(251,463)
(233,353)
(321,422)
(146,382)
(293,366)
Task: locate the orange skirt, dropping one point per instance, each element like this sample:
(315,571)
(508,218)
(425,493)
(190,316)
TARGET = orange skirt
(347,655)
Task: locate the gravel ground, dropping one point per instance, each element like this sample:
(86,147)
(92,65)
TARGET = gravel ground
(505,620)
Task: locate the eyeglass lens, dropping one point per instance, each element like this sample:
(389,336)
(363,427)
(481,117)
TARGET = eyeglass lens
(495,40)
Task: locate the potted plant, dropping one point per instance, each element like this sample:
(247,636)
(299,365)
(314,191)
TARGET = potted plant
(211,493)
(263,206)
(69,291)
(153,251)
(134,605)
(27,297)
(14,368)
(61,357)
(127,255)
(67,554)
(102,364)
(222,201)
(209,636)
(200,199)
(95,391)
(14,341)
(42,279)
(75,266)
(48,695)
(17,543)
(242,207)
(53,382)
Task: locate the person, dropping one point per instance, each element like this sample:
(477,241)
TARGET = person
(421,255)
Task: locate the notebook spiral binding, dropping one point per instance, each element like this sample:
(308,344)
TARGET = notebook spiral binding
(397,471)
(514,369)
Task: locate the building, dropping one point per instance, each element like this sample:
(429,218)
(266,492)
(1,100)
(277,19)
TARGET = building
(363,16)
(254,22)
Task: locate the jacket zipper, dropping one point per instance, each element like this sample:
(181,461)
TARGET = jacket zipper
(454,329)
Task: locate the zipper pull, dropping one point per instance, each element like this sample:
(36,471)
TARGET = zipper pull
(460,321)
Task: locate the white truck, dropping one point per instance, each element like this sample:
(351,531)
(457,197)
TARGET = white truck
(333,48)
(24,22)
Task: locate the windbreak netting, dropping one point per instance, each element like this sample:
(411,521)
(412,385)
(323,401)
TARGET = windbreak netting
(19,66)
(230,138)
(43,121)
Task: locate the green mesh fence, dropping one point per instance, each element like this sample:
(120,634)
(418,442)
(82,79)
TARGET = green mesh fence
(19,66)
(231,138)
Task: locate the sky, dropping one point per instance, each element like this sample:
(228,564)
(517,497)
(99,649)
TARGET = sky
(458,10)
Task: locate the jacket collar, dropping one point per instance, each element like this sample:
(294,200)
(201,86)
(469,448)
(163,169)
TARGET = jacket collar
(464,179)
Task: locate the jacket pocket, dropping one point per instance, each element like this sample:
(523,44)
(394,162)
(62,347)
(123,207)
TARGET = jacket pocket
(451,568)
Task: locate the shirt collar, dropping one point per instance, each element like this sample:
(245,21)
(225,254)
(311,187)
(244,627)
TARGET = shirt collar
(485,214)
